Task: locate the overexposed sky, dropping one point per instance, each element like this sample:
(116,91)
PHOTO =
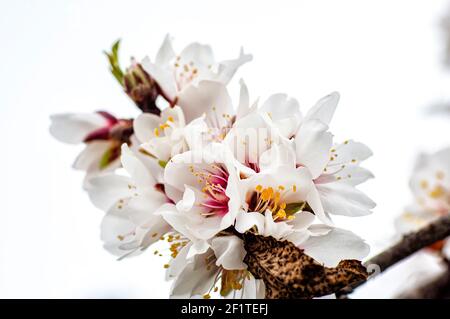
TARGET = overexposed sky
(384,57)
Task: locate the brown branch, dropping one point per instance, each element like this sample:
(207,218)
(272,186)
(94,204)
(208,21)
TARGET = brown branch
(288,273)
(408,245)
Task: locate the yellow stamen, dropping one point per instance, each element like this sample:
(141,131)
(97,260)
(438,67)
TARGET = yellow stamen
(437,192)
(424,184)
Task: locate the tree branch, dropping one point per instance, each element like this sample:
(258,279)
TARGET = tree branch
(410,243)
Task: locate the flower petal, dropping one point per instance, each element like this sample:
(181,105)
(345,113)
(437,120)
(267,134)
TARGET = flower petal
(337,245)
(228,68)
(344,199)
(324,109)
(229,251)
(166,52)
(73,128)
(144,126)
(195,279)
(312,145)
(104,191)
(210,98)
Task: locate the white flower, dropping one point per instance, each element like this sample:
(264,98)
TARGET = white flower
(204,186)
(167,135)
(277,205)
(132,222)
(176,73)
(335,169)
(201,175)
(102,133)
(220,266)
(339,178)
(430,185)
(305,142)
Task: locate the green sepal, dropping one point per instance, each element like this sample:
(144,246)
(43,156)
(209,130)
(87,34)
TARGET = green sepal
(106,159)
(113,58)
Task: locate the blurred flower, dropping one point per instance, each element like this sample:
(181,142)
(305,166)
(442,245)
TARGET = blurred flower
(430,185)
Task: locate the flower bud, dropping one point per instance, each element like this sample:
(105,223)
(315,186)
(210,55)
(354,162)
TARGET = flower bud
(141,88)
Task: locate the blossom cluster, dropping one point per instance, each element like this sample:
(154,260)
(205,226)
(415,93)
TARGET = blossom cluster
(196,172)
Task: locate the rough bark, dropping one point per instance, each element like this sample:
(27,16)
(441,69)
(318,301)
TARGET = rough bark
(288,273)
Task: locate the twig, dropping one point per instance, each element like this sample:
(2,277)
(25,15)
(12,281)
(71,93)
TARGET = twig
(410,243)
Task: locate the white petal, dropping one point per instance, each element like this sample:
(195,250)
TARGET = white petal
(90,158)
(280,106)
(166,52)
(250,137)
(337,245)
(302,220)
(188,200)
(199,54)
(245,221)
(276,156)
(228,68)
(298,237)
(210,98)
(284,112)
(197,247)
(229,251)
(251,289)
(105,191)
(137,170)
(163,75)
(319,229)
(315,201)
(312,145)
(349,152)
(277,230)
(344,199)
(350,174)
(144,126)
(324,109)
(177,264)
(73,128)
(112,226)
(195,279)
(244,108)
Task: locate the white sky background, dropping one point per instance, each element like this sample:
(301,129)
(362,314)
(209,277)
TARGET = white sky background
(384,57)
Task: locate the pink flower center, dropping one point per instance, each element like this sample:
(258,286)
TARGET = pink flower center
(214,181)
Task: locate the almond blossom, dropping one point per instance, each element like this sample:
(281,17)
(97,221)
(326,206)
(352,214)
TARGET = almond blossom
(202,175)
(131,223)
(102,133)
(176,73)
(430,186)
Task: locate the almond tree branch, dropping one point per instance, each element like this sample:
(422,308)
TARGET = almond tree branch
(408,245)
